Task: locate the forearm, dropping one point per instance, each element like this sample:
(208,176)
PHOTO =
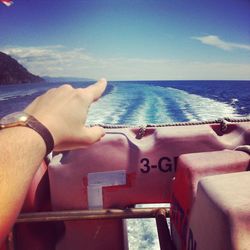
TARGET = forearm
(21,152)
(63,112)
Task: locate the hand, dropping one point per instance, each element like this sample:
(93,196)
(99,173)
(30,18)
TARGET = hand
(64,111)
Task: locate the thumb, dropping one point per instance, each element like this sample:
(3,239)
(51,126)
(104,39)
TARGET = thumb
(93,134)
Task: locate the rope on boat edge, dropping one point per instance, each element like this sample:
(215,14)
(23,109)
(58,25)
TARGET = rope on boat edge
(222,121)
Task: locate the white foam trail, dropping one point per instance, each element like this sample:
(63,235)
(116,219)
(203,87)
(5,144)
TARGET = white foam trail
(108,109)
(196,107)
(153,107)
(138,104)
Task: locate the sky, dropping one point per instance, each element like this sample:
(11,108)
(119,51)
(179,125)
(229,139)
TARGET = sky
(130,39)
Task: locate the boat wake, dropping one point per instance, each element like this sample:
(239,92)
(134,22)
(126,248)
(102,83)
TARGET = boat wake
(137,104)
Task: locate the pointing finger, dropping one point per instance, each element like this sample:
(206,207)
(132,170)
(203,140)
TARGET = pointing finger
(95,91)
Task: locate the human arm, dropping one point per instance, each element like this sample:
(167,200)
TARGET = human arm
(63,111)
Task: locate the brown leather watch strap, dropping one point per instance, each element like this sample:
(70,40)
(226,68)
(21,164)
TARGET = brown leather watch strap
(43,131)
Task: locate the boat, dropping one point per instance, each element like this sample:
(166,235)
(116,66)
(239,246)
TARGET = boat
(81,199)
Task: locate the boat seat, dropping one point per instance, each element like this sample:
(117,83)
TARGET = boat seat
(220,218)
(191,168)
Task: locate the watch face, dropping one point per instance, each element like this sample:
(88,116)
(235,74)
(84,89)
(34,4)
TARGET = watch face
(14,119)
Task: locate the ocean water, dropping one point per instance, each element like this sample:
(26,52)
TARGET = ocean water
(147,102)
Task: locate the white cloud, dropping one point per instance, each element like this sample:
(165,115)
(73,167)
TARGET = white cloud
(219,43)
(52,60)
(61,61)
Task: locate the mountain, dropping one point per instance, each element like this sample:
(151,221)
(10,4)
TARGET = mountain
(66,79)
(13,72)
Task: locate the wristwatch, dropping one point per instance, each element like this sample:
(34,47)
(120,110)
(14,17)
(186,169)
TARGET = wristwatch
(26,120)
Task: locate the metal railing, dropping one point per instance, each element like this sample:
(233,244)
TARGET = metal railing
(160,215)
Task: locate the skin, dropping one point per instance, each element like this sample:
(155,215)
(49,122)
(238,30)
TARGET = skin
(63,111)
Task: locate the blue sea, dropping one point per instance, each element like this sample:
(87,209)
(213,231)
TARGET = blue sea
(147,102)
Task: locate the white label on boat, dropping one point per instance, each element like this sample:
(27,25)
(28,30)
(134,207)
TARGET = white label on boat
(96,181)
